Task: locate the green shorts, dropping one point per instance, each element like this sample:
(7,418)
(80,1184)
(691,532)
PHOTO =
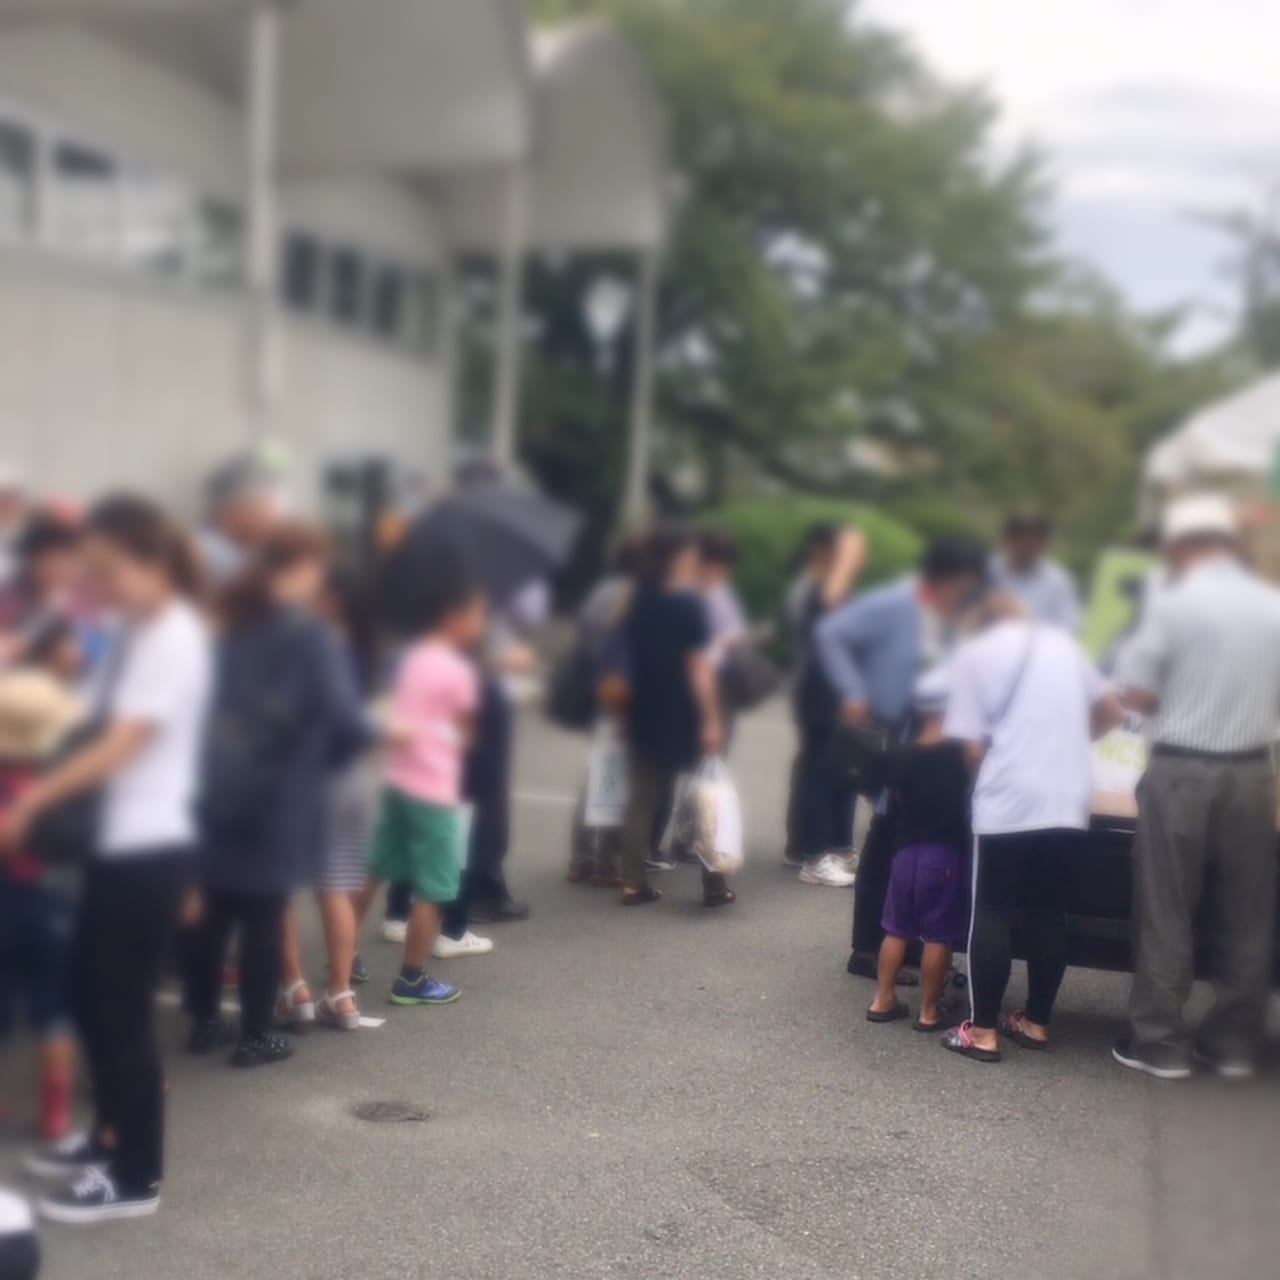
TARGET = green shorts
(418,844)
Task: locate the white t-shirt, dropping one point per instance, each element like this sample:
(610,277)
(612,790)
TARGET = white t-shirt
(165,681)
(1037,774)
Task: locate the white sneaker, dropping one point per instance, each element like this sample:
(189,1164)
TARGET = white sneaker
(395,931)
(470,944)
(827,871)
(848,859)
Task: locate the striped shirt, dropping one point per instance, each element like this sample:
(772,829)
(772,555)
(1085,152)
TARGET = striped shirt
(1209,650)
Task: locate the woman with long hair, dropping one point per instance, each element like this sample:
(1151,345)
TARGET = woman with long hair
(152,696)
(284,716)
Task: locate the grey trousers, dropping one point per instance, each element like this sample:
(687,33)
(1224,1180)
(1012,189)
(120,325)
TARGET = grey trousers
(1201,822)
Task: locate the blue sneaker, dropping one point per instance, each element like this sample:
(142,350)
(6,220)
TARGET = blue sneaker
(427,990)
(359,971)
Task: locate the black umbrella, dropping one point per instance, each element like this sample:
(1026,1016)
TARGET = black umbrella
(502,537)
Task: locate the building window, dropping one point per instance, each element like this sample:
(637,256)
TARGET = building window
(388,303)
(17,179)
(301,270)
(85,204)
(217,249)
(421,314)
(347,278)
(157,222)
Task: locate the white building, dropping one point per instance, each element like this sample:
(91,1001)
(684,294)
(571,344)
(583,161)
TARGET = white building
(223,220)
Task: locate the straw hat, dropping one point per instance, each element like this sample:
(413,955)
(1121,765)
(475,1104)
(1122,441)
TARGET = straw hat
(36,714)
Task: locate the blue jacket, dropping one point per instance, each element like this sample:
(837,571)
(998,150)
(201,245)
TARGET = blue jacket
(316,683)
(870,649)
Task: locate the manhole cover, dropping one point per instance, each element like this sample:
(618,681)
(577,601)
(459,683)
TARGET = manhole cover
(390,1113)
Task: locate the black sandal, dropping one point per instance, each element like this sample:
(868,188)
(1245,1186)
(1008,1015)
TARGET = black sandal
(640,897)
(960,1041)
(721,899)
(896,1014)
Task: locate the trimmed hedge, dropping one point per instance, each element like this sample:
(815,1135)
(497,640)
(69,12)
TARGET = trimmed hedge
(769,531)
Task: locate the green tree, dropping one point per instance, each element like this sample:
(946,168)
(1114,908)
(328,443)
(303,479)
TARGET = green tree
(853,280)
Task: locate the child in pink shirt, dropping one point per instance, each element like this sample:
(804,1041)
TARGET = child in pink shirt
(418,837)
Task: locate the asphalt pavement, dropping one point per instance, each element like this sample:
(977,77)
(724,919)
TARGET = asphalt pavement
(671,1092)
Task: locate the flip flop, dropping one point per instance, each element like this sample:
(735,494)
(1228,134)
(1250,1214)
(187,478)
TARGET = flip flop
(896,1014)
(960,1041)
(1010,1024)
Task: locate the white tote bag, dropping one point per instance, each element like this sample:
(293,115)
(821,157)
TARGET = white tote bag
(606,803)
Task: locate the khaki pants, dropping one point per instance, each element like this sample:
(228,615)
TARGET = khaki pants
(1204,821)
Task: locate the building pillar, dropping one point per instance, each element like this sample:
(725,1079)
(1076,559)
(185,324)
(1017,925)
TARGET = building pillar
(262,47)
(508,331)
(635,507)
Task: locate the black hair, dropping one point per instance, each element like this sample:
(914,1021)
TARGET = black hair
(142,531)
(46,533)
(450,587)
(349,593)
(718,546)
(952,556)
(664,545)
(1028,523)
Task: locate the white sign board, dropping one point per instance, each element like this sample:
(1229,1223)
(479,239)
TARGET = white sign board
(1120,759)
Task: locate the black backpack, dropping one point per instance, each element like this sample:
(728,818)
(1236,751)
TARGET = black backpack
(249,746)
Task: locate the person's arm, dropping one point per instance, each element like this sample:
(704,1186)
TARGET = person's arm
(845,569)
(1141,664)
(99,761)
(966,720)
(1105,708)
(837,639)
(702,683)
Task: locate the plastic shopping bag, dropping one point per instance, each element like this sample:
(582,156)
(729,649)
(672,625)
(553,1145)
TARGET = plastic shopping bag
(706,819)
(606,800)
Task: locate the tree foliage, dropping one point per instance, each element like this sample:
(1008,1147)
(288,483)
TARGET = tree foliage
(852,267)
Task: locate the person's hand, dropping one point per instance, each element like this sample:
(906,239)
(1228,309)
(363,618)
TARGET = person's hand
(855,712)
(712,737)
(518,660)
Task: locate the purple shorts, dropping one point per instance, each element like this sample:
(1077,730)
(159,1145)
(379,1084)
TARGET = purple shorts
(928,894)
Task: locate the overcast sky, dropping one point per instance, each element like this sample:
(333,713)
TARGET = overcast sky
(1148,108)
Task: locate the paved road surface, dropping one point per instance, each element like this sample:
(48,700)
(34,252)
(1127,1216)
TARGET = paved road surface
(667,1093)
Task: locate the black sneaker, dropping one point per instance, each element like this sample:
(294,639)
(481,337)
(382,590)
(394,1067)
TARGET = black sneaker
(95,1197)
(208,1035)
(1152,1060)
(65,1159)
(261,1051)
(498,911)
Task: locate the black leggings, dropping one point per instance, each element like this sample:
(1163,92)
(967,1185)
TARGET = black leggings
(261,921)
(1025,871)
(127,916)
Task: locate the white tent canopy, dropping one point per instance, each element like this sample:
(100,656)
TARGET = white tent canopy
(1235,438)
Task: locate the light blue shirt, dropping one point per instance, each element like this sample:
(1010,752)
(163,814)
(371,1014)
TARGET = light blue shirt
(1046,590)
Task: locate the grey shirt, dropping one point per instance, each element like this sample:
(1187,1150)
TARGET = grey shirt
(1047,591)
(1209,650)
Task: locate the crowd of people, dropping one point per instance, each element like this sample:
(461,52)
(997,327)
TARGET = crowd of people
(197,732)
(191,738)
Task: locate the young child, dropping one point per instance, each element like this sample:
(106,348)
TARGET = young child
(37,710)
(418,837)
(928,894)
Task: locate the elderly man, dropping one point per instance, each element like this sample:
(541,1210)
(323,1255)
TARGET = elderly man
(1205,666)
(1022,569)
(244,499)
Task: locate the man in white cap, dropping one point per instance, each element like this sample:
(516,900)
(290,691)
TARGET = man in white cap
(1205,667)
